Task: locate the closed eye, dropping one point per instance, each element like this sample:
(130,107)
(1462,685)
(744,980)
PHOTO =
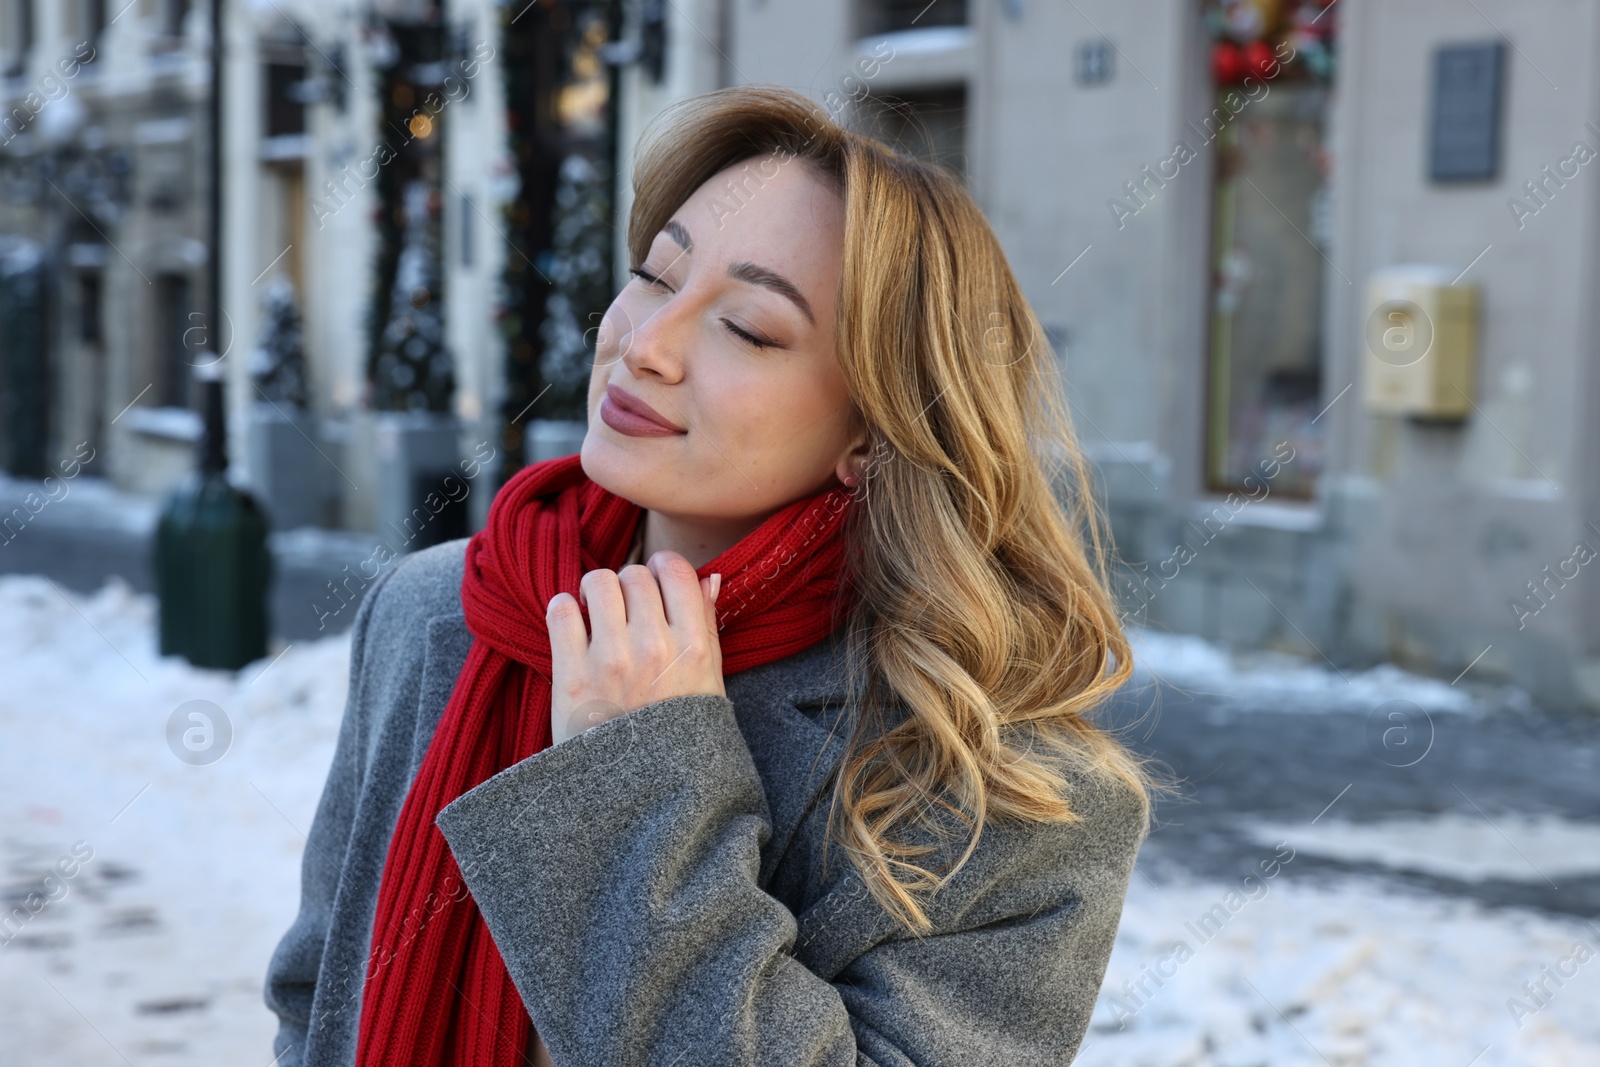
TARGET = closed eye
(744,335)
(648,279)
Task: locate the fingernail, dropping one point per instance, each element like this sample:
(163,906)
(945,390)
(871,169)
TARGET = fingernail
(716,587)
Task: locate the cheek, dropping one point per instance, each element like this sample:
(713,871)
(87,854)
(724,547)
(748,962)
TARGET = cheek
(731,400)
(766,413)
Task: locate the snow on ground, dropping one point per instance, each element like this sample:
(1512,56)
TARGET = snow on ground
(84,500)
(91,502)
(153,950)
(1278,681)
(1340,975)
(1519,847)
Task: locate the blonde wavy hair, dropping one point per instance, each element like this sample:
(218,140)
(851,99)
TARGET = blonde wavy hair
(984,631)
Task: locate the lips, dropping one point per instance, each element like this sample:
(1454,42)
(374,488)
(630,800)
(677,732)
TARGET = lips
(626,413)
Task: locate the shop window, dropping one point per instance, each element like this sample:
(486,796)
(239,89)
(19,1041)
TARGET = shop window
(90,329)
(888,16)
(928,123)
(286,114)
(173,14)
(174,367)
(1272,64)
(16,36)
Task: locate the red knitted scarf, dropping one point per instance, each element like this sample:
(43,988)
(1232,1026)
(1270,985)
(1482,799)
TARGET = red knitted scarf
(437,992)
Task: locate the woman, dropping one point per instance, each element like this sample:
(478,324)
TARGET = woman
(755,733)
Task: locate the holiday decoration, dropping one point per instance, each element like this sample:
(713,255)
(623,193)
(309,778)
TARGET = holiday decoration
(579,269)
(414,369)
(558,212)
(1271,39)
(1312,37)
(1251,20)
(1227,63)
(1261,60)
(278,362)
(408,367)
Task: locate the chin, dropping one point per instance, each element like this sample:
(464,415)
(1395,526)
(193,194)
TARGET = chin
(607,465)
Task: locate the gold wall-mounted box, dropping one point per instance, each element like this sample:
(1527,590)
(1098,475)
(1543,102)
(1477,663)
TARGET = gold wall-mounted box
(1420,343)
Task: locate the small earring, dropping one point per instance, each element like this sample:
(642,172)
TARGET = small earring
(850,481)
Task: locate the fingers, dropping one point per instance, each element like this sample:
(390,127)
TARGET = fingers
(666,591)
(564,620)
(601,593)
(683,598)
(620,600)
(640,595)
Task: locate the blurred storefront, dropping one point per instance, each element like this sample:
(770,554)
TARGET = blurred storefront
(1317,272)
(401,286)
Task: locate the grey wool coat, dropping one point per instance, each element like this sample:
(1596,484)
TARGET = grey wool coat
(654,884)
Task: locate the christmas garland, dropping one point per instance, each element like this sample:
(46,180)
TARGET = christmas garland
(1253,37)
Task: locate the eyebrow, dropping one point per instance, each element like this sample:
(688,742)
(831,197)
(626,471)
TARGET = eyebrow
(676,231)
(745,271)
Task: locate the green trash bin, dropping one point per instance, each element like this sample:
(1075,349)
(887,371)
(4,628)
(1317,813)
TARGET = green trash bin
(213,569)
(212,564)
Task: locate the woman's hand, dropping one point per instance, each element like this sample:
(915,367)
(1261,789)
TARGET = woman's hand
(654,636)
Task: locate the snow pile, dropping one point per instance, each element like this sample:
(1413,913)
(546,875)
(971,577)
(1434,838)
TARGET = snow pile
(1281,682)
(84,501)
(1518,847)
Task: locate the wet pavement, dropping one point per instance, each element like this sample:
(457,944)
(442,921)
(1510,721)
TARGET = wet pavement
(1501,765)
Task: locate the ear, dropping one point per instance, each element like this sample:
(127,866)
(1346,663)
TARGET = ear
(852,466)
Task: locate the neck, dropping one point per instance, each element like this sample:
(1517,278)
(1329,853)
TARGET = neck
(698,540)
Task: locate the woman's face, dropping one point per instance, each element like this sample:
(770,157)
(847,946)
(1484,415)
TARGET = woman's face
(726,331)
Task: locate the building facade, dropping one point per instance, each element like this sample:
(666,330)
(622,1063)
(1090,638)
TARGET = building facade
(1316,272)
(1198,199)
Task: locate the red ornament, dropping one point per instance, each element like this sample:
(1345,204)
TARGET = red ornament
(1227,63)
(1261,60)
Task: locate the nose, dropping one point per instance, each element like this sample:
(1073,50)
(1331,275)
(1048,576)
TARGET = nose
(657,342)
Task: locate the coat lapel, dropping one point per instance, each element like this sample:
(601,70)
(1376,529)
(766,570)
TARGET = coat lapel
(445,650)
(781,711)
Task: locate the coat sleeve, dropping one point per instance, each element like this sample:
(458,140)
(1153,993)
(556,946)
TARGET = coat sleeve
(291,980)
(617,872)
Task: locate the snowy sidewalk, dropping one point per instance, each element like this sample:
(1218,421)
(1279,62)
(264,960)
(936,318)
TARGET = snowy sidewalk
(85,531)
(152,951)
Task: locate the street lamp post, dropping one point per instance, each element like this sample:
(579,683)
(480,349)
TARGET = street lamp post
(212,564)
